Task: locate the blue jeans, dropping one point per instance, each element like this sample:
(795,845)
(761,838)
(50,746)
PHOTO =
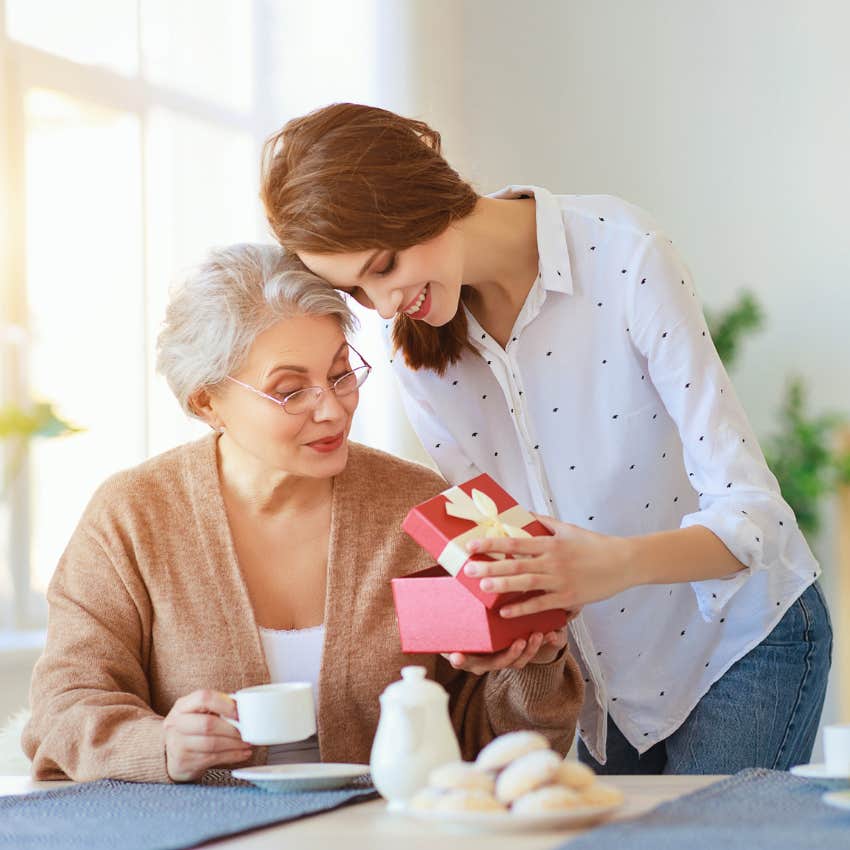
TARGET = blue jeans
(763,712)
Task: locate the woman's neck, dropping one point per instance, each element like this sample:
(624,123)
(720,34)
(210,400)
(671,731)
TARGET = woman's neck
(500,261)
(265,492)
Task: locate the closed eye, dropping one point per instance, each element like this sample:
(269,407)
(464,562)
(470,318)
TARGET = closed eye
(282,394)
(388,267)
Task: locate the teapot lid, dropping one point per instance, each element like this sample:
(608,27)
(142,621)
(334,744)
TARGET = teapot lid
(414,688)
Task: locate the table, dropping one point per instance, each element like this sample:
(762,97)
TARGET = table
(368,826)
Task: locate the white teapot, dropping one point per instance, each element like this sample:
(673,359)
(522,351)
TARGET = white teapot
(414,736)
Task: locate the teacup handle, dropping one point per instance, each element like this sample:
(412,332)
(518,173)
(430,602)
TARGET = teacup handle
(233,723)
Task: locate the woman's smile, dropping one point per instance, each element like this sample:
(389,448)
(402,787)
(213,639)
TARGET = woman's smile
(328,444)
(421,305)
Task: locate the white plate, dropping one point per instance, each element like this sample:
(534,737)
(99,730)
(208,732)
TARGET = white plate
(313,776)
(508,822)
(839,799)
(817,771)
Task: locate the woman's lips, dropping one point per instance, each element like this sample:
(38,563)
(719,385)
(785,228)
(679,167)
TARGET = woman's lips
(328,444)
(422,302)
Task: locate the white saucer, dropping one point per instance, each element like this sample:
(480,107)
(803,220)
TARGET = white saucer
(817,771)
(839,799)
(508,822)
(314,776)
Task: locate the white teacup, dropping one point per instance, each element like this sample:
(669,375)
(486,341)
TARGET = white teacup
(836,749)
(275,714)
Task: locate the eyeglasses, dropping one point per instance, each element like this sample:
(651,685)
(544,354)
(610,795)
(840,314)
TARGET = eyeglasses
(307,400)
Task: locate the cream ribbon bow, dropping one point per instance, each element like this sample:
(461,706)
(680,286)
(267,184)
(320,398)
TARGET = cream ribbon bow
(481,510)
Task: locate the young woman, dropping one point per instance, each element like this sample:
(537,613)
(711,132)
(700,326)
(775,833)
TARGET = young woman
(558,343)
(262,552)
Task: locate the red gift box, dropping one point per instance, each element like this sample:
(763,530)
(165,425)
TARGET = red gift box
(442,609)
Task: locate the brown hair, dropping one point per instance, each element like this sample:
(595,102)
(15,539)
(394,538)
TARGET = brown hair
(349,177)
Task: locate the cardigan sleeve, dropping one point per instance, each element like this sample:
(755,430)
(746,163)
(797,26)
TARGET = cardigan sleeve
(90,696)
(739,497)
(543,697)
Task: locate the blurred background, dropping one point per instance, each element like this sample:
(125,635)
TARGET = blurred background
(131,133)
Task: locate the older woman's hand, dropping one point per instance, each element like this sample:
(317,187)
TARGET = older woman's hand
(538,649)
(196,737)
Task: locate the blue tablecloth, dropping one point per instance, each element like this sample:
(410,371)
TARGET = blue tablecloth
(753,809)
(107,814)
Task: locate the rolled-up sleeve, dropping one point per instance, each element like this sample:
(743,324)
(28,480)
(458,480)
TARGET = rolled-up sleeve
(739,497)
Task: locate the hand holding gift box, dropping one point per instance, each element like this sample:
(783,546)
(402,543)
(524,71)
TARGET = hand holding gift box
(442,609)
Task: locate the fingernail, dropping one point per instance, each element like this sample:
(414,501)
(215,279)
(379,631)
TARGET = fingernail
(486,584)
(507,612)
(472,570)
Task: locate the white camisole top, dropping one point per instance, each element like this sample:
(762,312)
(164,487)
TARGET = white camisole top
(295,656)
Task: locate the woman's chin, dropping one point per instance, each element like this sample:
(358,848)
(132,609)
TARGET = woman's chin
(437,320)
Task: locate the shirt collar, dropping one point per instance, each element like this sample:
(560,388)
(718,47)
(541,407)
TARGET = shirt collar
(555,273)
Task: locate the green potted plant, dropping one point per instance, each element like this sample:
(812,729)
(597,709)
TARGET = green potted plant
(18,426)
(801,452)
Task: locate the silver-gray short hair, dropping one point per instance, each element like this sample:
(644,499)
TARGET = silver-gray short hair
(219,308)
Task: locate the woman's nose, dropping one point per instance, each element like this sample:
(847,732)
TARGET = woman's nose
(330,406)
(388,304)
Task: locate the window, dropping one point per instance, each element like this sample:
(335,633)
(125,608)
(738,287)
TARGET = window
(132,146)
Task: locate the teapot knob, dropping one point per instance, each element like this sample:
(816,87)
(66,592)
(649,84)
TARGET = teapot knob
(413,673)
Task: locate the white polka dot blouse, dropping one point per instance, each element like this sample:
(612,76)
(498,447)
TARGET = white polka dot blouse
(609,408)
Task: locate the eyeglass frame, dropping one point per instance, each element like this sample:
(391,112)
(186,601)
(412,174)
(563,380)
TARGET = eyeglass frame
(321,390)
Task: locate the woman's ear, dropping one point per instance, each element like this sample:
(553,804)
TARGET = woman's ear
(202,405)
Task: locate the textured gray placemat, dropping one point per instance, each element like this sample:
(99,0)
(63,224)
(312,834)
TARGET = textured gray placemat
(752,809)
(108,814)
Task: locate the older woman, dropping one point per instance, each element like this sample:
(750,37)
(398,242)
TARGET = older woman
(262,552)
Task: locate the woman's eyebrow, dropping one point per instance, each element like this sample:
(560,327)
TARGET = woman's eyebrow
(277,369)
(303,369)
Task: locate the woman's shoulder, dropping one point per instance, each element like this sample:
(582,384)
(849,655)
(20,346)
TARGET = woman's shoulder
(608,210)
(156,483)
(388,477)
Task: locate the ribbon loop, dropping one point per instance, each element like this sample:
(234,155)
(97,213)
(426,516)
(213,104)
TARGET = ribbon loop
(480,509)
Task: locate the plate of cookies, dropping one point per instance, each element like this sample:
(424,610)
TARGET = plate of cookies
(516,783)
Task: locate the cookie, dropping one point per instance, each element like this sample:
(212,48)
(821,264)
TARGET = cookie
(465,800)
(551,798)
(426,800)
(527,773)
(600,794)
(575,775)
(461,774)
(501,751)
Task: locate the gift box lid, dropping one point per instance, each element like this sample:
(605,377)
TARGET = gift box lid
(444,524)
